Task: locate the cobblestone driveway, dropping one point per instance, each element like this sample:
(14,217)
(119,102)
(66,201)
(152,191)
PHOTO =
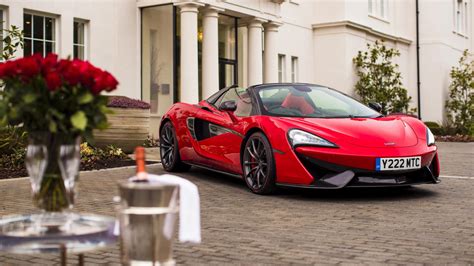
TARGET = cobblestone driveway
(431,224)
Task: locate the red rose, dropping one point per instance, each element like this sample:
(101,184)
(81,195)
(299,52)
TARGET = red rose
(11,68)
(87,73)
(110,83)
(28,67)
(53,81)
(70,71)
(2,70)
(99,83)
(49,63)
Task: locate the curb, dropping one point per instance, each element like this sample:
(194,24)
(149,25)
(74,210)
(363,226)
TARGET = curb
(88,171)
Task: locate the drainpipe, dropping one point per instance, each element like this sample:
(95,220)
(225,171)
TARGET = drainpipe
(418,83)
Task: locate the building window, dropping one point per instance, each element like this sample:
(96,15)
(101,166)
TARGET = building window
(460,16)
(294,69)
(378,8)
(39,32)
(80,48)
(281,68)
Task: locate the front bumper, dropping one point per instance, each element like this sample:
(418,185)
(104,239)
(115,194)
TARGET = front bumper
(332,176)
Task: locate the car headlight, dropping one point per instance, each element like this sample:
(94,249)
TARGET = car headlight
(430,139)
(300,137)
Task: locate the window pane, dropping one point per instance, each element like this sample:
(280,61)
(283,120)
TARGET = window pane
(27,48)
(27,25)
(49,48)
(76,51)
(79,52)
(49,27)
(79,33)
(76,29)
(38,47)
(226,37)
(38,27)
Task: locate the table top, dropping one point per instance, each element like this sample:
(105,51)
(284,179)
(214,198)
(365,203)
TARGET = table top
(53,232)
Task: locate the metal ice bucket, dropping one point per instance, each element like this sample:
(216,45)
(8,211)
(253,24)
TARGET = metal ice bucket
(147,217)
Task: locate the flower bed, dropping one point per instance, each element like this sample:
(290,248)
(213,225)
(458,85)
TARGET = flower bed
(92,158)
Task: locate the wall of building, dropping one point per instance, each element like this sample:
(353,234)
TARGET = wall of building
(440,49)
(113,39)
(339,37)
(295,39)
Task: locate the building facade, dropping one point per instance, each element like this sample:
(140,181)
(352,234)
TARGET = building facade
(164,51)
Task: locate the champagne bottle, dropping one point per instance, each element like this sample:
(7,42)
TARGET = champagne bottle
(140,161)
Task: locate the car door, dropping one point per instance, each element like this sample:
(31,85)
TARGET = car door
(219,133)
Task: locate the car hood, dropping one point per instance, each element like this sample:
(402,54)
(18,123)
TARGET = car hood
(381,132)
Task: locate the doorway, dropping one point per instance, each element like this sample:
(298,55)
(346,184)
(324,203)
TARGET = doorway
(228,67)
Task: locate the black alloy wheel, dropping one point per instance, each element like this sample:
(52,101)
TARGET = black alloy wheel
(169,151)
(258,165)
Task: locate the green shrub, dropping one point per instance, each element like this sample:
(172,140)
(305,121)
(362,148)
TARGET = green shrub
(91,155)
(13,161)
(11,139)
(380,80)
(460,105)
(434,127)
(151,142)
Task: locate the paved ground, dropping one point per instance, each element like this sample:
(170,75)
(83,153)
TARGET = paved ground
(431,224)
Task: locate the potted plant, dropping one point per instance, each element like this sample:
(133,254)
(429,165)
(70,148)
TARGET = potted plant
(57,102)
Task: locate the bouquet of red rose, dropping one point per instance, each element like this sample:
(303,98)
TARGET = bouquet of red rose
(57,101)
(47,94)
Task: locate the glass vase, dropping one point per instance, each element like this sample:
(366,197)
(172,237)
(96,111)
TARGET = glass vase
(52,162)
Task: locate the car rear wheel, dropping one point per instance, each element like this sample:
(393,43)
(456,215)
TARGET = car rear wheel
(169,151)
(258,165)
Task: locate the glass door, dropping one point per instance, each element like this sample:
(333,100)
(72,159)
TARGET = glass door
(228,67)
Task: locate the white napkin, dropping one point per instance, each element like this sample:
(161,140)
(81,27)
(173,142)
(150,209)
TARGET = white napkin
(189,207)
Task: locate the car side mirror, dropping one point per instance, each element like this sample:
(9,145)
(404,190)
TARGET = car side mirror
(376,106)
(229,106)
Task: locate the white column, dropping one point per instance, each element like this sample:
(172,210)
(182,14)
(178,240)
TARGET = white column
(210,52)
(255,52)
(271,53)
(189,53)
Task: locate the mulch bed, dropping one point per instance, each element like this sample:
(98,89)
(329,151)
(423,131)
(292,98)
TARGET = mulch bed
(103,164)
(455,138)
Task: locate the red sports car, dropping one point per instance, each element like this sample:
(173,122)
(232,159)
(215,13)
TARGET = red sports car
(297,135)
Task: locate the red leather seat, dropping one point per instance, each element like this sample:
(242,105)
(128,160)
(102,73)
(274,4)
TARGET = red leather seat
(299,103)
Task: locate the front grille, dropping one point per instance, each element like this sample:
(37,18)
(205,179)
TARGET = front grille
(322,171)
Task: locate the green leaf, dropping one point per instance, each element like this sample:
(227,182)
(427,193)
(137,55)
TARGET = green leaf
(85,98)
(79,120)
(105,110)
(53,128)
(29,98)
(102,125)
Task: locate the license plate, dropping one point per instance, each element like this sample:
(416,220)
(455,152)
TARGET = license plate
(400,163)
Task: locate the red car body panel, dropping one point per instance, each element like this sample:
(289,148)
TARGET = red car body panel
(360,141)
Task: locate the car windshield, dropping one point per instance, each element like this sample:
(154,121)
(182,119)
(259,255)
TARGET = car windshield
(310,101)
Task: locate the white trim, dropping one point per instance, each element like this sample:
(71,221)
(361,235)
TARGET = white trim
(458,177)
(362,28)
(86,36)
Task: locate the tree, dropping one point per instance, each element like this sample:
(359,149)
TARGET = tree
(12,40)
(379,78)
(460,105)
